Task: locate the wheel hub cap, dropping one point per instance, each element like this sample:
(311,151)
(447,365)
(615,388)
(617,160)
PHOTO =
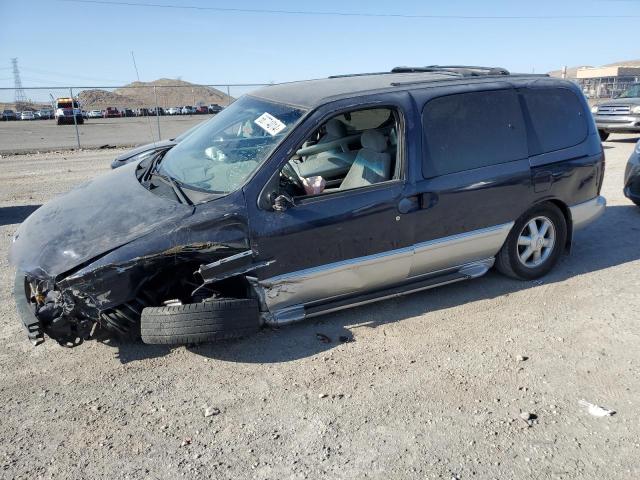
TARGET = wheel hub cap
(536,242)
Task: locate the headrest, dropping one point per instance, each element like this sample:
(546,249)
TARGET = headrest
(373,140)
(335,128)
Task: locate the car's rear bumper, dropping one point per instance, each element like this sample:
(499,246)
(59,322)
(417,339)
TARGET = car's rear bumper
(587,212)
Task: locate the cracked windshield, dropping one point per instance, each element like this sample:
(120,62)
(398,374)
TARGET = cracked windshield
(219,156)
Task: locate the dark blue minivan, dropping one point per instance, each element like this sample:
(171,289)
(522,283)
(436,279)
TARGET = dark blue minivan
(309,197)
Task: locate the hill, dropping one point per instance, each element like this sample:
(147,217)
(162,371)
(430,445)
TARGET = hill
(170,93)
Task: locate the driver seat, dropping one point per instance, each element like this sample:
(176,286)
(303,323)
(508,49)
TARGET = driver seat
(372,163)
(330,163)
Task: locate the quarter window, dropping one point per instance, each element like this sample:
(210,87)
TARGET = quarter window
(472,130)
(557,119)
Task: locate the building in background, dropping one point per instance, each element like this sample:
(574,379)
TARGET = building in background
(607,82)
(602,82)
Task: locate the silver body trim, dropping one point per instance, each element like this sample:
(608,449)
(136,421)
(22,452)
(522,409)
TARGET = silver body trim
(587,212)
(285,295)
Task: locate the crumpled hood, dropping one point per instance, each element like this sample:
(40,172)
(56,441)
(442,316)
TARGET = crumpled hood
(94,218)
(160,145)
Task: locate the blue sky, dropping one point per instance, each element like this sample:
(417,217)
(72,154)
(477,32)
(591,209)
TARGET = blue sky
(62,42)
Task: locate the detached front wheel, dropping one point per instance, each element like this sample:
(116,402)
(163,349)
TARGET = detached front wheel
(207,321)
(534,245)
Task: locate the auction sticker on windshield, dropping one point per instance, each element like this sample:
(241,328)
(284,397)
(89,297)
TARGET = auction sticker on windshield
(270,124)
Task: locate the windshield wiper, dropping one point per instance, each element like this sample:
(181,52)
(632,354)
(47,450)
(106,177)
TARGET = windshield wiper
(167,180)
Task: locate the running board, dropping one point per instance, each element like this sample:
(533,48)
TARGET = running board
(296,313)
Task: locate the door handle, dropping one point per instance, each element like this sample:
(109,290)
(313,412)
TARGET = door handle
(408,204)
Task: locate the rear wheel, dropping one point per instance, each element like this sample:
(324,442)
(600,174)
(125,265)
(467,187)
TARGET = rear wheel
(535,243)
(210,320)
(603,135)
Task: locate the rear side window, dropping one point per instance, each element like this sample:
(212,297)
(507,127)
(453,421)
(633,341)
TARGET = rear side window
(557,119)
(472,130)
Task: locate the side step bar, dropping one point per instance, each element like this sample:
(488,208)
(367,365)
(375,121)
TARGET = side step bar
(296,313)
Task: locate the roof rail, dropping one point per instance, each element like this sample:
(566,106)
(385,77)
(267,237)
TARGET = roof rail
(346,75)
(464,70)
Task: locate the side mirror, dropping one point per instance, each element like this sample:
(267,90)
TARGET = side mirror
(282,202)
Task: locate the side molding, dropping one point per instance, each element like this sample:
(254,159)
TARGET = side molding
(286,295)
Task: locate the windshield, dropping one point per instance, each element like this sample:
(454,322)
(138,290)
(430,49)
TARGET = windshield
(632,92)
(67,104)
(220,155)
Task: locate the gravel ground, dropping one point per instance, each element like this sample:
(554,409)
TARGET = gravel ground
(433,385)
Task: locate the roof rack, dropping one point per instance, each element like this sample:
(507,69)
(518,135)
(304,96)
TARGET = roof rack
(345,75)
(464,70)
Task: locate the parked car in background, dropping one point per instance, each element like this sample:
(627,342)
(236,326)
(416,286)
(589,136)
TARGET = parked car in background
(187,110)
(142,112)
(127,112)
(44,114)
(632,176)
(159,111)
(620,114)
(215,108)
(310,197)
(9,115)
(111,112)
(94,114)
(202,109)
(173,111)
(27,115)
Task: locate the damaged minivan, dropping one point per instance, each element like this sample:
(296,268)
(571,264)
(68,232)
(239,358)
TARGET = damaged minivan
(310,197)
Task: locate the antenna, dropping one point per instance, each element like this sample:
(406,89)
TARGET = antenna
(133,57)
(134,65)
(17,83)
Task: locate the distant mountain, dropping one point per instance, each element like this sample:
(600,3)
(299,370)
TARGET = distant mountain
(572,71)
(170,93)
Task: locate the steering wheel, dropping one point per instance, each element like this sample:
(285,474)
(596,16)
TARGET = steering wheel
(291,174)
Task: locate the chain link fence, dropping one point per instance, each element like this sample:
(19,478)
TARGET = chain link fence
(57,118)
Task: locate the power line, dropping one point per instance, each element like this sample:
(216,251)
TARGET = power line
(68,75)
(349,14)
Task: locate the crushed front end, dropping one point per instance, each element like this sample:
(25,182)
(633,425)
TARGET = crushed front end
(44,308)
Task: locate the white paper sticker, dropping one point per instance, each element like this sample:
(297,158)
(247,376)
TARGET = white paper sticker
(270,124)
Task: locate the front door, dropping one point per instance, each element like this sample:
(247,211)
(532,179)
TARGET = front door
(343,241)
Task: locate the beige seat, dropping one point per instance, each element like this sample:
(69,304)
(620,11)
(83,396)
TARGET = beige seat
(372,163)
(331,163)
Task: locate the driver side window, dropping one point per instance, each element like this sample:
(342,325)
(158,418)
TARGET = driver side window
(352,150)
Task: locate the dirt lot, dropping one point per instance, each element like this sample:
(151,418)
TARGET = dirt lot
(431,387)
(44,135)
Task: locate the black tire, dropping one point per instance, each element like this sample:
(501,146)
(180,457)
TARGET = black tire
(508,262)
(603,135)
(207,321)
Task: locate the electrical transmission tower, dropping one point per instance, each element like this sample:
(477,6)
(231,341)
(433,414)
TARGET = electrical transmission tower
(17,83)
